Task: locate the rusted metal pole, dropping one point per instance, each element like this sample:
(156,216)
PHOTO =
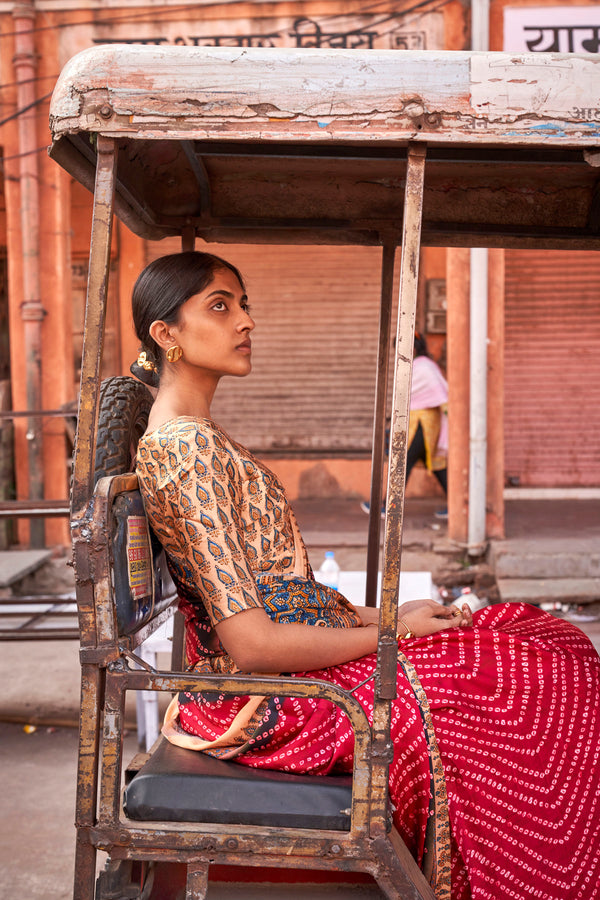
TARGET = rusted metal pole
(196,885)
(409,273)
(95,317)
(92,681)
(387,651)
(31,508)
(32,311)
(377,458)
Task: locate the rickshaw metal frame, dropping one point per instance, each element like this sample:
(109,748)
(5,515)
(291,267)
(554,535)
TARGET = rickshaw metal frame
(109,98)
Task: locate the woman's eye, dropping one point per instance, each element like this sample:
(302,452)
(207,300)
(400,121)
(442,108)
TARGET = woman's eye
(219,305)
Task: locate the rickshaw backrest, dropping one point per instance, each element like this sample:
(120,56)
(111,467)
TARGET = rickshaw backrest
(142,584)
(182,785)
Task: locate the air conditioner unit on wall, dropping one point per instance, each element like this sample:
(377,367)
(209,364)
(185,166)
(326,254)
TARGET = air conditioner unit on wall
(435,306)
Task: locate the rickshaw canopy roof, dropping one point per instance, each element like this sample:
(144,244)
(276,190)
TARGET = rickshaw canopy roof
(309,145)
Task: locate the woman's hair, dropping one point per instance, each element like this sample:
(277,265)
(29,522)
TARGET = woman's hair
(420,345)
(159,293)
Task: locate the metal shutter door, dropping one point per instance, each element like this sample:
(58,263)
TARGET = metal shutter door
(314,348)
(552,368)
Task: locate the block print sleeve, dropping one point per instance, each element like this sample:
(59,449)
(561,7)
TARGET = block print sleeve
(205,498)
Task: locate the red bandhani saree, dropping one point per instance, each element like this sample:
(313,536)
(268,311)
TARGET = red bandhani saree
(515,706)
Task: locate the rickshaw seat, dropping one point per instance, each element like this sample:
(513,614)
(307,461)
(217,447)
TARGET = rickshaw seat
(181,785)
(182,805)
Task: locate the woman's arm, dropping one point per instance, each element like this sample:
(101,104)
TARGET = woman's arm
(257,644)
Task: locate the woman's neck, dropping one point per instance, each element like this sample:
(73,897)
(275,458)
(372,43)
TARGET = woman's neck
(175,399)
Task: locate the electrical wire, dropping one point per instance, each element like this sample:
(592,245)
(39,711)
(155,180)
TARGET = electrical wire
(24,109)
(4,159)
(147,17)
(9,84)
(170,12)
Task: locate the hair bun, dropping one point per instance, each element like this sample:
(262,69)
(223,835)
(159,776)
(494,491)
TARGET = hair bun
(145,369)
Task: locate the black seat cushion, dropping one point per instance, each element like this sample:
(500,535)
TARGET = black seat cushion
(178,785)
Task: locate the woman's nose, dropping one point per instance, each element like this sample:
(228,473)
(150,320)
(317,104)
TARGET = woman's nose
(246,322)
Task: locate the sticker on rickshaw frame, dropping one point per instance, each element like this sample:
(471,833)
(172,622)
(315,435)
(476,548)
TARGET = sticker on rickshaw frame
(139,557)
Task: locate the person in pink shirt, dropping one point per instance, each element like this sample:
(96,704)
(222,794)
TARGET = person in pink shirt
(428,422)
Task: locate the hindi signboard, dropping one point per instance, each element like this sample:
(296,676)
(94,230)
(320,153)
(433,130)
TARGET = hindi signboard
(552,29)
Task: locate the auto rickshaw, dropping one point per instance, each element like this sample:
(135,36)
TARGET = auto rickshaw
(377,148)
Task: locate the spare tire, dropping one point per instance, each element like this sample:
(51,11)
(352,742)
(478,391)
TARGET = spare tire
(122,419)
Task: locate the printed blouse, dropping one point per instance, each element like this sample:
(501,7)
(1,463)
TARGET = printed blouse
(221,515)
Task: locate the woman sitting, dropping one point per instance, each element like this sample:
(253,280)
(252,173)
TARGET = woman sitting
(513,692)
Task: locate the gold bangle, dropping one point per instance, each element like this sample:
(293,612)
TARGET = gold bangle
(404,637)
(399,637)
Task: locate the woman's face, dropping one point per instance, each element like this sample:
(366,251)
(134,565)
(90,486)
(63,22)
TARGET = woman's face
(213,328)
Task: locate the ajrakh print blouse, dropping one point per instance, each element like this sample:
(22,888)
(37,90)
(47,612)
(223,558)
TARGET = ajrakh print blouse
(221,515)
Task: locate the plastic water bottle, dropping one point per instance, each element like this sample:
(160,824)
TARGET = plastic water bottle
(473,601)
(329,573)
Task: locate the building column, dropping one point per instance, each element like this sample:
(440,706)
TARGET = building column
(31,308)
(56,275)
(12,190)
(57,337)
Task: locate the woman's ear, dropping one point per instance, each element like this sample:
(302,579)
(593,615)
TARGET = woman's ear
(161,334)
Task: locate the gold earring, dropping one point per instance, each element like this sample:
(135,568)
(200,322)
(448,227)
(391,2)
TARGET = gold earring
(174,353)
(145,363)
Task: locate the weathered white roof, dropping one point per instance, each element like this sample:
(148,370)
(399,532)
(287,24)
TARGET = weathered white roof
(315,94)
(312,141)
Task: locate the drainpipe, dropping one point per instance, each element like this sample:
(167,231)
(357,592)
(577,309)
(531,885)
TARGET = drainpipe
(32,311)
(478,403)
(480,17)
(480,25)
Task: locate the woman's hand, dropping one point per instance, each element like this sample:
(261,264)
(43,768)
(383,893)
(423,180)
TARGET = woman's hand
(424,617)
